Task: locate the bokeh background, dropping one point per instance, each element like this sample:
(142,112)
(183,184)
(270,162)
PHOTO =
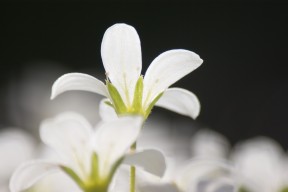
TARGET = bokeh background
(242,84)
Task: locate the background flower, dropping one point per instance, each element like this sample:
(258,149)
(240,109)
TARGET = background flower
(263,164)
(16,146)
(90,157)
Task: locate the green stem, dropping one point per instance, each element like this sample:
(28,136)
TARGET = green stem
(133,172)
(132,178)
(96,190)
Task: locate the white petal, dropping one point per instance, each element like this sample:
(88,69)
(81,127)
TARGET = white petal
(16,147)
(159,187)
(4,187)
(106,112)
(29,173)
(150,160)
(121,56)
(166,69)
(114,138)
(195,171)
(209,144)
(120,182)
(69,134)
(56,182)
(215,185)
(78,82)
(121,179)
(180,101)
(260,160)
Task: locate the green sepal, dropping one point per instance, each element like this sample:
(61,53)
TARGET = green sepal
(118,103)
(101,184)
(95,167)
(74,176)
(134,146)
(138,94)
(31,189)
(95,183)
(114,168)
(109,103)
(243,189)
(285,189)
(148,110)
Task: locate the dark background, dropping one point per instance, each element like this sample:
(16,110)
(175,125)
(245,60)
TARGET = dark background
(242,84)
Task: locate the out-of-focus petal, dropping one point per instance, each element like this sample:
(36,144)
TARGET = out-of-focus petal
(196,171)
(120,182)
(166,69)
(16,147)
(29,173)
(78,82)
(121,179)
(261,162)
(209,144)
(159,187)
(222,184)
(121,56)
(150,160)
(69,134)
(180,101)
(107,112)
(114,138)
(4,187)
(56,182)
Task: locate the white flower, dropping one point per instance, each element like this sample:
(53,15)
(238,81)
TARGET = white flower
(260,162)
(209,144)
(16,146)
(208,171)
(127,91)
(89,156)
(263,165)
(194,176)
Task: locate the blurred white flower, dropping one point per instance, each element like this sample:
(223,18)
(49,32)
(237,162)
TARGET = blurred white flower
(90,157)
(28,100)
(56,181)
(197,176)
(122,177)
(126,90)
(203,174)
(260,162)
(209,144)
(16,146)
(263,164)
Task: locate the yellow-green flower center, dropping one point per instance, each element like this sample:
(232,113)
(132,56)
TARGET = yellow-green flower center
(136,108)
(95,182)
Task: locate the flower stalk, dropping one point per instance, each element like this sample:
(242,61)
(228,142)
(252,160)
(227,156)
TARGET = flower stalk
(133,171)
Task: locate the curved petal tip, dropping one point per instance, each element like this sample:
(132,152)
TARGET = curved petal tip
(180,101)
(78,82)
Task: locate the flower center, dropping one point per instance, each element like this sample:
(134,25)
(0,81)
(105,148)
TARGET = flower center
(136,108)
(95,182)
